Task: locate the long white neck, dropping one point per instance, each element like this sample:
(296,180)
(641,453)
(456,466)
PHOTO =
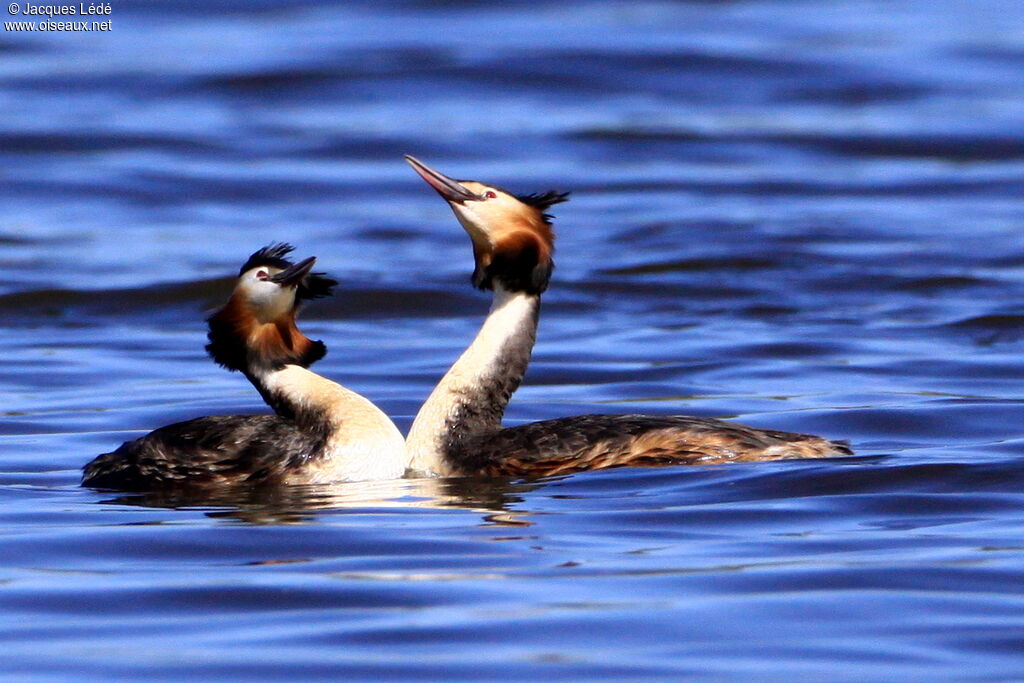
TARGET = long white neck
(472,396)
(361,442)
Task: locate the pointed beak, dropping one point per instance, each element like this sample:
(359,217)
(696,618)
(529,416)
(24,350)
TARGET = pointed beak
(291,277)
(451,190)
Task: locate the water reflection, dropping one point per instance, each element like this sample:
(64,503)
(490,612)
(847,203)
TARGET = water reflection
(493,497)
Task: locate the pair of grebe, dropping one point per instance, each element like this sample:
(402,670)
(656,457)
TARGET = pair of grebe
(322,432)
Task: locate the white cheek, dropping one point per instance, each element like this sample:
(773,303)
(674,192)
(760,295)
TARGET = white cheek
(265,292)
(472,221)
(268,300)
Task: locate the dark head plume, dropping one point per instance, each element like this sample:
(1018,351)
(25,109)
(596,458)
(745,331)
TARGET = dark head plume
(273,255)
(313,286)
(542,201)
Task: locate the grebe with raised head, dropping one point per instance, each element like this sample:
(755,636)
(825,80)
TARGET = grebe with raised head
(458,430)
(322,432)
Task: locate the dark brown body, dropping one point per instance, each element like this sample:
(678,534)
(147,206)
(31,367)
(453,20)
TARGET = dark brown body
(592,442)
(208,451)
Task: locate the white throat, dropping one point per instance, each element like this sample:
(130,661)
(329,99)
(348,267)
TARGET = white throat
(362,442)
(472,395)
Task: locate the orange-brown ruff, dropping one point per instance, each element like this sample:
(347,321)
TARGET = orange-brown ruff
(322,432)
(458,430)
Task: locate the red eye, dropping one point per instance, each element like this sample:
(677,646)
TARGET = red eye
(261,275)
(490,194)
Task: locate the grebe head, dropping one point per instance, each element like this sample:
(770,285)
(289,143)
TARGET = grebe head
(271,286)
(256,328)
(512,236)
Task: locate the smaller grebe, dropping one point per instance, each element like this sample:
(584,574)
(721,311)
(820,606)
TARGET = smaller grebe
(458,430)
(322,432)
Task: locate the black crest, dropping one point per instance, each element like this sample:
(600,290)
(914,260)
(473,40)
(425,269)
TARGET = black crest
(544,201)
(313,286)
(273,255)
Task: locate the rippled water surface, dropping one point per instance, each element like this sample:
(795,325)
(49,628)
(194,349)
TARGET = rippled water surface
(806,216)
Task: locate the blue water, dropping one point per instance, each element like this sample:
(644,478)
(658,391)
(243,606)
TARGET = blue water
(806,216)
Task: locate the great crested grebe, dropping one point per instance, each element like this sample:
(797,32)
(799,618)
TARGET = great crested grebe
(458,430)
(322,432)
